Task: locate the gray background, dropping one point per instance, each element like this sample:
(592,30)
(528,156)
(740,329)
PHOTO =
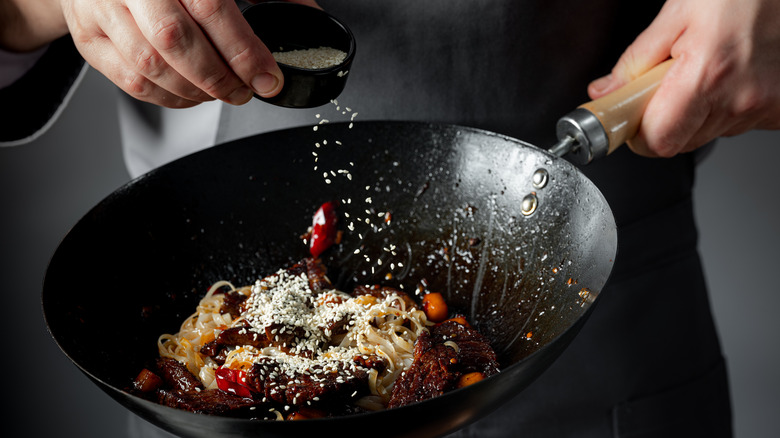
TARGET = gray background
(46,186)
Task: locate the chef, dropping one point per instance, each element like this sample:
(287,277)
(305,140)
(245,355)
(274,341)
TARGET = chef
(640,366)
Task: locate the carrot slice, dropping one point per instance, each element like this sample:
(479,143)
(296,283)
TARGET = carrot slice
(435,307)
(469,379)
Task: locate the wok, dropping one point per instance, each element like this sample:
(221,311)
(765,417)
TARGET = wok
(136,265)
(514,237)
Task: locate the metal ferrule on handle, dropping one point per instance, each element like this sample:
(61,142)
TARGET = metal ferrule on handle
(597,128)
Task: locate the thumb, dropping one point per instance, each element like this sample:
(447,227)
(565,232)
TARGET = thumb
(650,48)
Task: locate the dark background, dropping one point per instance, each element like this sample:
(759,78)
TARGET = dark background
(46,186)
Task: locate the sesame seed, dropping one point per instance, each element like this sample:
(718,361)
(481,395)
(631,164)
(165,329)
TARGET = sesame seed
(311,59)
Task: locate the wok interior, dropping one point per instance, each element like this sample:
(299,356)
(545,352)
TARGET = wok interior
(137,264)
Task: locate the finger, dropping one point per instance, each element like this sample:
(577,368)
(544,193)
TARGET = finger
(101,54)
(243,51)
(649,49)
(311,3)
(180,41)
(136,51)
(676,113)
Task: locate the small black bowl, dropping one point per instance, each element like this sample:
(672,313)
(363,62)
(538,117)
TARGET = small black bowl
(284,26)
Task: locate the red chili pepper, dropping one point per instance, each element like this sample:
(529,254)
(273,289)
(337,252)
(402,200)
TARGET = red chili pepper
(323,229)
(232,381)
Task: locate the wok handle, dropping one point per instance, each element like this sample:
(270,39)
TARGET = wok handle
(598,127)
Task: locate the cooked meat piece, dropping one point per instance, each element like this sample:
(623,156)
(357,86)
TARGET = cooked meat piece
(371,361)
(337,327)
(210,349)
(432,373)
(176,375)
(213,402)
(241,335)
(215,351)
(474,350)
(316,272)
(286,338)
(232,303)
(280,336)
(331,387)
(440,358)
(383,292)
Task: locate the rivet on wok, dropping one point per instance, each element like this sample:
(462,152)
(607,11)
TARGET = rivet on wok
(540,178)
(529,205)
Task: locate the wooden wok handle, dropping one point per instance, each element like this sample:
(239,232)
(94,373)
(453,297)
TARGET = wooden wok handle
(621,111)
(600,126)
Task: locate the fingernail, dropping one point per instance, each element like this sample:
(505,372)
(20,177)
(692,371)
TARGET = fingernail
(602,83)
(240,96)
(265,83)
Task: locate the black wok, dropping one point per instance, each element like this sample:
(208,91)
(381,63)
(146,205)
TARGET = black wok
(136,265)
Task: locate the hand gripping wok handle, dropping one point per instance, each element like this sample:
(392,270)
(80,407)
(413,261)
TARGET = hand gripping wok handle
(600,126)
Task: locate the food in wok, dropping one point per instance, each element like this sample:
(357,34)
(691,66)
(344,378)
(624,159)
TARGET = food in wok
(291,346)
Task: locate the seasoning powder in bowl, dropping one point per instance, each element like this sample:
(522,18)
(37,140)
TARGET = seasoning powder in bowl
(311,59)
(313,49)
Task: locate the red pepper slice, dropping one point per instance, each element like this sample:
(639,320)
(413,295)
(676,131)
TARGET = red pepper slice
(232,381)
(323,229)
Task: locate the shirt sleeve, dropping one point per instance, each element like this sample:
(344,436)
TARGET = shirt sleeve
(15,65)
(37,90)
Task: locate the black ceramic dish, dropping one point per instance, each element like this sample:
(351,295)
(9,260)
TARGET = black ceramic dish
(138,263)
(283,26)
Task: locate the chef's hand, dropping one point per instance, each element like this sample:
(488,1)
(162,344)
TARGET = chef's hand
(174,53)
(724,80)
